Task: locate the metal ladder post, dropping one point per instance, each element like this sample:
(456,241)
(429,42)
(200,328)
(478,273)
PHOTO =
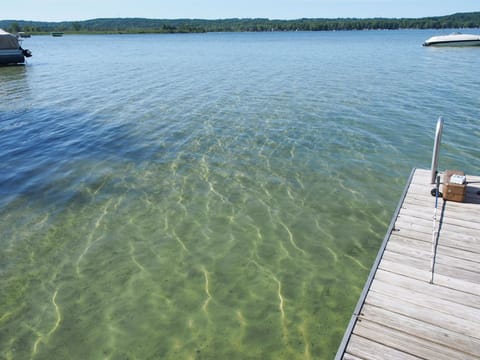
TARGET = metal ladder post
(436,150)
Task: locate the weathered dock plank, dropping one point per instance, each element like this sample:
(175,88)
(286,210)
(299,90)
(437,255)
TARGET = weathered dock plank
(422,330)
(417,286)
(408,343)
(401,314)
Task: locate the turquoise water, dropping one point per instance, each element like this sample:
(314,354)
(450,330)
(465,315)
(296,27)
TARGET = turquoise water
(211,196)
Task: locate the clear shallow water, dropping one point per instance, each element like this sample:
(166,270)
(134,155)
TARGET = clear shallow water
(211,196)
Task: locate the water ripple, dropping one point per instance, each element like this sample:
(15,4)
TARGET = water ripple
(212,195)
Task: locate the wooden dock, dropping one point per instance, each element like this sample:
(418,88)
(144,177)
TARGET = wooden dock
(400,314)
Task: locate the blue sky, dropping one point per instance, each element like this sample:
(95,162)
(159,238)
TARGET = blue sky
(60,10)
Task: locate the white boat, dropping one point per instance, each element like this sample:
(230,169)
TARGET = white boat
(10,50)
(455,39)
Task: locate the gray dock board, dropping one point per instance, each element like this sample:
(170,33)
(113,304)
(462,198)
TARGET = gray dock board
(363,348)
(401,315)
(419,286)
(408,343)
(423,330)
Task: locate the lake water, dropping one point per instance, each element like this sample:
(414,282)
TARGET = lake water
(212,196)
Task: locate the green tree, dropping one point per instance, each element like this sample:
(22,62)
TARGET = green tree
(15,27)
(76,26)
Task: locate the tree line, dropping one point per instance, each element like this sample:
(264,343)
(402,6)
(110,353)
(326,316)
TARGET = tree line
(142,25)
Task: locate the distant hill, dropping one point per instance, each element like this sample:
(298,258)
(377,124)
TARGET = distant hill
(141,25)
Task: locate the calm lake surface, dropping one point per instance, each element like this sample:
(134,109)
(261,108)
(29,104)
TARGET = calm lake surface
(212,196)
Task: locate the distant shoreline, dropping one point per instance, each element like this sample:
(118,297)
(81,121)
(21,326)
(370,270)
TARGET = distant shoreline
(174,26)
(93,33)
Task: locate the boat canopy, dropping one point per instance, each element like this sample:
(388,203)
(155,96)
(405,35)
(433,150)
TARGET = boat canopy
(8,41)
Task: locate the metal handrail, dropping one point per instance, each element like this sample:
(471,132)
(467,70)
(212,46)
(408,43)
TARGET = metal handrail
(436,150)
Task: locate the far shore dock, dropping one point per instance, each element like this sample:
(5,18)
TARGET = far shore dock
(401,313)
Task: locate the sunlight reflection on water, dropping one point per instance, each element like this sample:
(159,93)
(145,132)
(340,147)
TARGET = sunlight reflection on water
(210,196)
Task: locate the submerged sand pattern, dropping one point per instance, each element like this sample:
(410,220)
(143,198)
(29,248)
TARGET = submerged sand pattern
(211,196)
(178,261)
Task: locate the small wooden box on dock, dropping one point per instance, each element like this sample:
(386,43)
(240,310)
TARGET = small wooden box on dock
(454,185)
